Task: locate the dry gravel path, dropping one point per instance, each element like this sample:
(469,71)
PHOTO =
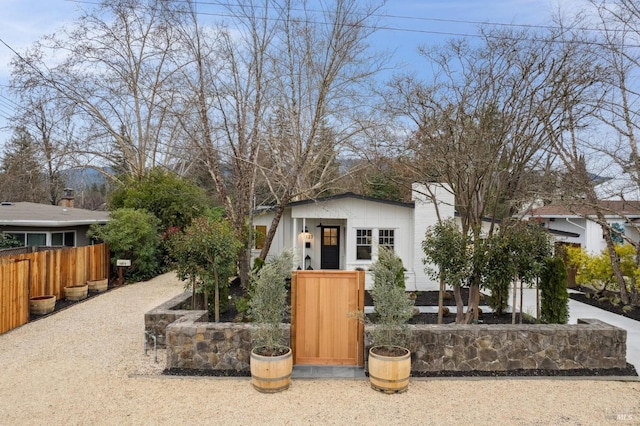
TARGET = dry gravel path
(85,365)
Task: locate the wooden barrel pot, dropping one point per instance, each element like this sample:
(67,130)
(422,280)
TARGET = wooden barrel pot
(98,285)
(389,368)
(76,292)
(270,374)
(42,305)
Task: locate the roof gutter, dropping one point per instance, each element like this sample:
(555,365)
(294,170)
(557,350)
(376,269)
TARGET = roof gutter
(52,223)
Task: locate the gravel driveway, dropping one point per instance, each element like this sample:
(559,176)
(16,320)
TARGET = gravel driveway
(85,365)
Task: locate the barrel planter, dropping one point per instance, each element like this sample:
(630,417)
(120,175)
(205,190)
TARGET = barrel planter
(270,374)
(76,292)
(389,368)
(42,305)
(98,285)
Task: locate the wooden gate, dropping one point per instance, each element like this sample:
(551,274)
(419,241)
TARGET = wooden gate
(324,327)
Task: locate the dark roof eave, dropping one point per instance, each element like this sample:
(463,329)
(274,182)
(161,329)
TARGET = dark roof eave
(338,197)
(484,219)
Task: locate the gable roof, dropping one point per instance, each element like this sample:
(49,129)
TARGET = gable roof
(609,207)
(350,195)
(44,215)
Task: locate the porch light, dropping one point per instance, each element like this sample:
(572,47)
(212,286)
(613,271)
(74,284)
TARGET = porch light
(307,235)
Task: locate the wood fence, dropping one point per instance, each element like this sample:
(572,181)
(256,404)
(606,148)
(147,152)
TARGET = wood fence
(42,273)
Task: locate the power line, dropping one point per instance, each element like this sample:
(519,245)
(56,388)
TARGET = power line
(398,29)
(380,15)
(373,27)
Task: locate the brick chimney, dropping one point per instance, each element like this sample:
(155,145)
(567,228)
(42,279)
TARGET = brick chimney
(67,199)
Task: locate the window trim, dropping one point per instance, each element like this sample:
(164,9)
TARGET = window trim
(391,235)
(366,233)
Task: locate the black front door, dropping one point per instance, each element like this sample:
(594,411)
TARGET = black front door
(330,247)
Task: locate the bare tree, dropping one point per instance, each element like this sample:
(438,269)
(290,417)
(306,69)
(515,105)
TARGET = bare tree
(483,124)
(620,30)
(321,66)
(52,131)
(111,71)
(280,58)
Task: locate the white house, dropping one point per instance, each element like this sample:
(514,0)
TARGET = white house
(578,227)
(344,231)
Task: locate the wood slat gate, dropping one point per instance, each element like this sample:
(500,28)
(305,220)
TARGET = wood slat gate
(324,326)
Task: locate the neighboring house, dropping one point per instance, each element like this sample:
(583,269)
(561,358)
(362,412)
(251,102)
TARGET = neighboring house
(578,227)
(344,231)
(46,225)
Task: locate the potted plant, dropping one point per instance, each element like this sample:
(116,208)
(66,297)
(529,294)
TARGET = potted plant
(389,362)
(271,357)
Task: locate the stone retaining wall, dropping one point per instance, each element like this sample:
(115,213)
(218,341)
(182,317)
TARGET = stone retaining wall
(589,344)
(157,319)
(194,344)
(211,346)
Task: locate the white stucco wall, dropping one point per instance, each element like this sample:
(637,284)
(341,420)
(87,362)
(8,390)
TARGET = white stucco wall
(575,225)
(424,217)
(350,214)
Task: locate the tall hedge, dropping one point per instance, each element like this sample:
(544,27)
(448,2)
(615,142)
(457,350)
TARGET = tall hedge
(554,308)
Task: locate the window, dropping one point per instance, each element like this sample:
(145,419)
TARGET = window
(363,244)
(260,236)
(64,239)
(67,239)
(30,238)
(330,236)
(18,236)
(37,239)
(386,238)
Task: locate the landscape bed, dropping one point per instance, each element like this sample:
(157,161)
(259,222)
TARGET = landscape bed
(586,296)
(591,348)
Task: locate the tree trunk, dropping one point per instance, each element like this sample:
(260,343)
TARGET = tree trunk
(537,299)
(513,300)
(193,295)
(459,304)
(244,267)
(216,298)
(273,227)
(521,297)
(615,262)
(440,300)
(472,305)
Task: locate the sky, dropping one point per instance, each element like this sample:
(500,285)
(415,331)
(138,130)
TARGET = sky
(405,25)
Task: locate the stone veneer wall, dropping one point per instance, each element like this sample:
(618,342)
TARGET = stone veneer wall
(157,319)
(589,344)
(211,346)
(194,344)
